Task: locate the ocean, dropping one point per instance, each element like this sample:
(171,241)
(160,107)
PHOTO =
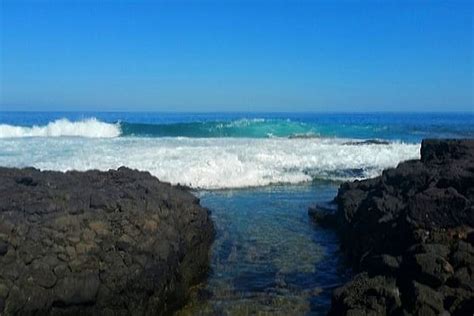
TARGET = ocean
(256,172)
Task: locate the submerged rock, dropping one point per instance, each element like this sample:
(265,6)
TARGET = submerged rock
(116,242)
(411,229)
(367,142)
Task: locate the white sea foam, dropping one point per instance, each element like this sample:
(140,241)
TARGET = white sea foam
(91,128)
(214,162)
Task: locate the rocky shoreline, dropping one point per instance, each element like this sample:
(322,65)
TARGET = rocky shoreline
(409,234)
(119,242)
(122,242)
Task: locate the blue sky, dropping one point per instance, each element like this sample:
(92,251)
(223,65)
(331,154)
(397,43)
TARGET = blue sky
(237,55)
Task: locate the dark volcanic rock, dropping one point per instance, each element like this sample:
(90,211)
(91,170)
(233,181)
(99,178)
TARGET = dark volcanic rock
(367,296)
(323,215)
(423,300)
(368,142)
(116,242)
(414,225)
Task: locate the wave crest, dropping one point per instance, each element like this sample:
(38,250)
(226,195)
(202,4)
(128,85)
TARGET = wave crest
(91,128)
(241,128)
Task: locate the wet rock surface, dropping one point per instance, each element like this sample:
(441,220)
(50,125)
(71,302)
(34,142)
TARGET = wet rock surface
(118,242)
(409,234)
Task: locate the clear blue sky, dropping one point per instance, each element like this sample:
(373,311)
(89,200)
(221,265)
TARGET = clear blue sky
(237,55)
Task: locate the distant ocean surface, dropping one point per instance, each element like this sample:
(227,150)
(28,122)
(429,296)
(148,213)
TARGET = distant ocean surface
(257,173)
(224,150)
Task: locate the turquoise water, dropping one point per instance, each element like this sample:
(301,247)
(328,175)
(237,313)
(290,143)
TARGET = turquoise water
(268,256)
(410,127)
(256,172)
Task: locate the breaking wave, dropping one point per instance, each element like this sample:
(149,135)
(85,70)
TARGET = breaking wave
(213,163)
(241,128)
(91,128)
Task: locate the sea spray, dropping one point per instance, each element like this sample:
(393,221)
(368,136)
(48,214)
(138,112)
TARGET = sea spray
(91,128)
(212,163)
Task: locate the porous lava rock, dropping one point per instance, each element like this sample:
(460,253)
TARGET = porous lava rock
(409,235)
(107,243)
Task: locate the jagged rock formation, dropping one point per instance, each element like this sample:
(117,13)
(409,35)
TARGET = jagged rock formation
(118,242)
(410,234)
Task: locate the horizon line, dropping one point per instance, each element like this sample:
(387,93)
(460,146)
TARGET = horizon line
(238,112)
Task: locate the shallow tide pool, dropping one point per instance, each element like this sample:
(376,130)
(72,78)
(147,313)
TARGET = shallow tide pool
(268,257)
